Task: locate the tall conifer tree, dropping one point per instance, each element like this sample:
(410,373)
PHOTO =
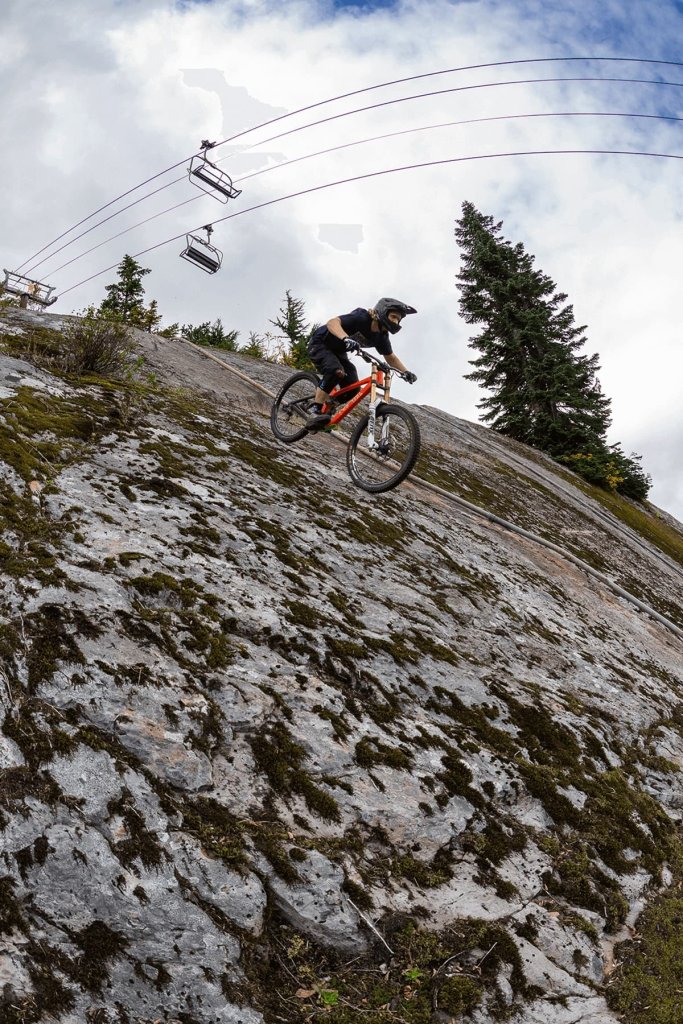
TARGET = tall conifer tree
(125,297)
(541,390)
(291,320)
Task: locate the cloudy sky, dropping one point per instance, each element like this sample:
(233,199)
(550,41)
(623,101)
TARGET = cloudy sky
(100,95)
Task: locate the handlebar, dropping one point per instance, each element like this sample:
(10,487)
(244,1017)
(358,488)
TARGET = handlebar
(379,363)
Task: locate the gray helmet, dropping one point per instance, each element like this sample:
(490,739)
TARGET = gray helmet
(384,306)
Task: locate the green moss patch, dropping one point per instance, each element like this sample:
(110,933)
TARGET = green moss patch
(40,433)
(29,540)
(473,721)
(18,783)
(370,751)
(647,986)
(37,729)
(99,944)
(224,836)
(425,875)
(179,617)
(617,817)
(216,829)
(281,760)
(51,635)
(11,911)
(264,460)
(140,844)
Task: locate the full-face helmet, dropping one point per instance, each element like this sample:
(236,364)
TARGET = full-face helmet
(385,306)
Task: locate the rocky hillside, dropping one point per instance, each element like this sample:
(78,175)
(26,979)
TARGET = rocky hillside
(276,750)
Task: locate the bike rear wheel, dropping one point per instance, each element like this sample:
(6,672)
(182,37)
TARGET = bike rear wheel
(290,409)
(384,468)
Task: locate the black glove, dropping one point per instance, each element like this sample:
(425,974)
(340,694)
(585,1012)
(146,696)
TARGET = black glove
(410,377)
(350,345)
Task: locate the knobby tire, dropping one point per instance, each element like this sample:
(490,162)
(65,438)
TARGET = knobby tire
(289,425)
(362,463)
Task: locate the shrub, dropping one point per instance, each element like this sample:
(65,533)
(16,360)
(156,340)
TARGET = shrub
(609,468)
(7,301)
(94,344)
(636,482)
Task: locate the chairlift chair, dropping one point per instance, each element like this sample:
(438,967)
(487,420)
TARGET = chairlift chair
(27,288)
(204,255)
(219,183)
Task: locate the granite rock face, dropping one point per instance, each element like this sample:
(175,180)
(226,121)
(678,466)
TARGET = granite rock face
(257,724)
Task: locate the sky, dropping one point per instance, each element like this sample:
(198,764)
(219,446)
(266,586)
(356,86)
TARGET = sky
(100,95)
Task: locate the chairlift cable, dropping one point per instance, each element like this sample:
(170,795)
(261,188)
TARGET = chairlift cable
(346,95)
(467,88)
(451,124)
(125,231)
(358,142)
(99,224)
(360,110)
(393,170)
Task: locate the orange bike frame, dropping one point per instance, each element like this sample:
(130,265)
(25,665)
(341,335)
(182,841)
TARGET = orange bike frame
(368,386)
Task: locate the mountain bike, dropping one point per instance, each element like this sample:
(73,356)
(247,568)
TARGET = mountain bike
(384,445)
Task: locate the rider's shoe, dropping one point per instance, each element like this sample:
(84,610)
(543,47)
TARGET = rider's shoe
(318,421)
(317,418)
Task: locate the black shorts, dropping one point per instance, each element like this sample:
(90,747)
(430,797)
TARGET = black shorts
(328,365)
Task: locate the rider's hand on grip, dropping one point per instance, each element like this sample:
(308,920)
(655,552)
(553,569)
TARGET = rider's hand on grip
(410,376)
(350,345)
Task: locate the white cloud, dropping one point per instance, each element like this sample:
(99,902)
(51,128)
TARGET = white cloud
(119,89)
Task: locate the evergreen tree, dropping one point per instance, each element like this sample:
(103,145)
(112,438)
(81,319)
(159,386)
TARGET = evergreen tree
(171,331)
(255,347)
(125,298)
(291,321)
(211,334)
(149,318)
(542,390)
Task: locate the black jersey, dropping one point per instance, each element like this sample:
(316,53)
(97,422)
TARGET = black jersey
(358,325)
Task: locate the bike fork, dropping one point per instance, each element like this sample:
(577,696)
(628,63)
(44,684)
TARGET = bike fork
(372,414)
(375,403)
(373,443)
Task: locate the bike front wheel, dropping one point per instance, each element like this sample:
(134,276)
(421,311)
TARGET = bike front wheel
(398,438)
(290,409)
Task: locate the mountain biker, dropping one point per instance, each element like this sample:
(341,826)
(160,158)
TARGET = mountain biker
(330,346)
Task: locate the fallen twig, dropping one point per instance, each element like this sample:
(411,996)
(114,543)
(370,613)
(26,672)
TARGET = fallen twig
(487,953)
(370,925)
